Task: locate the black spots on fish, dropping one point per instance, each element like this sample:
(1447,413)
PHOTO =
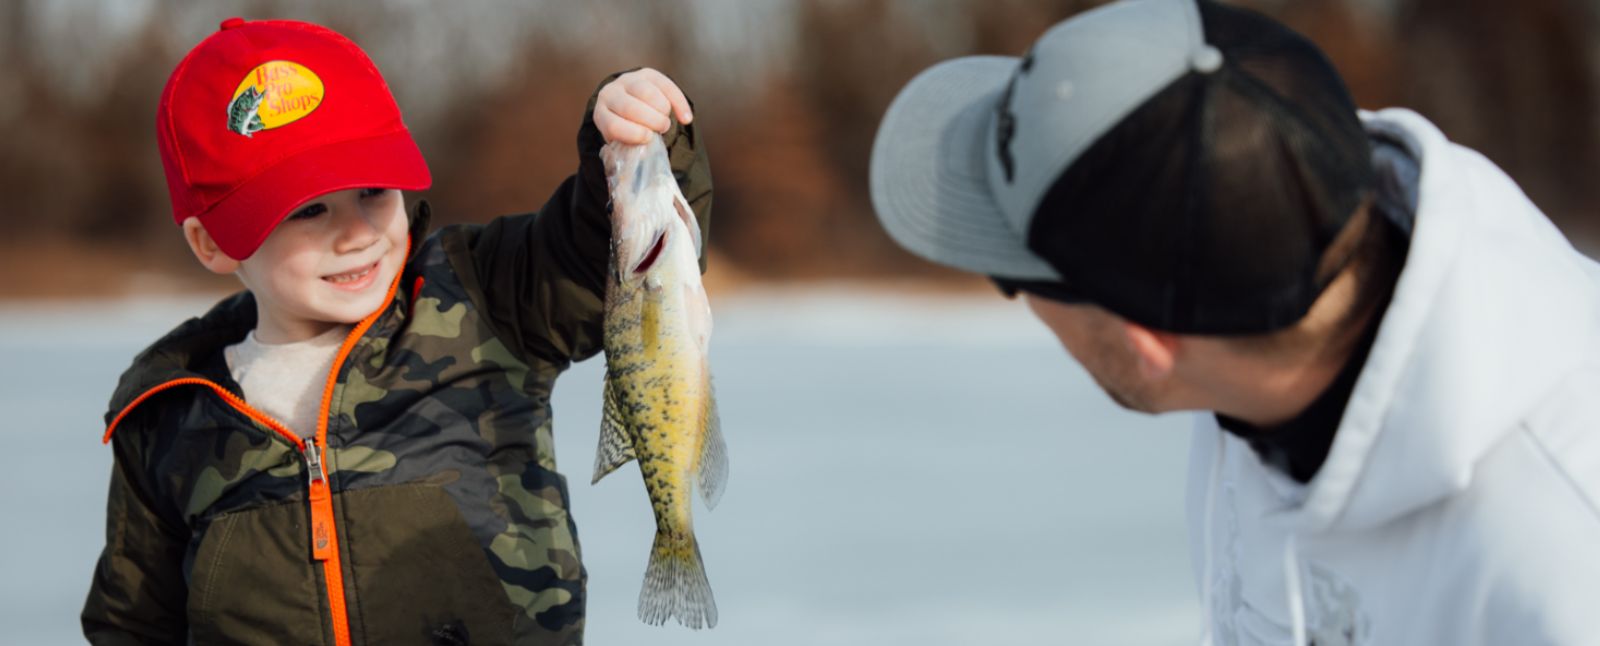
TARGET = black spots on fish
(636,407)
(618,355)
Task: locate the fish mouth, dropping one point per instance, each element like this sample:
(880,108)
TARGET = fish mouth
(653,254)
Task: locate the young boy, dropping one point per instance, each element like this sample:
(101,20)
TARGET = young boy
(357,449)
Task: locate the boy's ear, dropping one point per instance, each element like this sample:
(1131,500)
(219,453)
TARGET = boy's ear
(205,249)
(1155,351)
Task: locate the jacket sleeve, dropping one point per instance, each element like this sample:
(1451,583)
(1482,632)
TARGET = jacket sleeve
(541,276)
(138,594)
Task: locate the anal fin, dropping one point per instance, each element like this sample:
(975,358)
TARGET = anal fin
(712,475)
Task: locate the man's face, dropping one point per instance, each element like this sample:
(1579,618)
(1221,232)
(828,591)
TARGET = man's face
(329,263)
(1097,339)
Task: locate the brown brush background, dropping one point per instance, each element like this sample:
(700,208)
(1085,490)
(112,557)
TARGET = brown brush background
(788,94)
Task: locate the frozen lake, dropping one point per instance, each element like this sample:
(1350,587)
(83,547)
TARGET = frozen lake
(904,470)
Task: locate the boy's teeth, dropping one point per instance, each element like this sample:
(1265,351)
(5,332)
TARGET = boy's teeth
(345,278)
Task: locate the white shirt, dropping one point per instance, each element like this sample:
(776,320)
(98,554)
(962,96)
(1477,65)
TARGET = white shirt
(286,380)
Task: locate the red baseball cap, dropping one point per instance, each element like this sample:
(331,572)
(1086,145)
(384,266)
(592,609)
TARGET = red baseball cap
(262,116)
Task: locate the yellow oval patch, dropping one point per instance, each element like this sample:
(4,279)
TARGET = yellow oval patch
(287,92)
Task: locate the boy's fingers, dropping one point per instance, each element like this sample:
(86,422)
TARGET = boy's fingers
(649,91)
(633,109)
(680,103)
(619,129)
(674,99)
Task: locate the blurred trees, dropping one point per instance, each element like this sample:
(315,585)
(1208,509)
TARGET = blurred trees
(788,94)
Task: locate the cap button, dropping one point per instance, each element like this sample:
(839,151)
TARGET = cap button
(232,22)
(1206,59)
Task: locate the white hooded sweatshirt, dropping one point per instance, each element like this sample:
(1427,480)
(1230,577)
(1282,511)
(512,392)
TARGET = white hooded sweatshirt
(1460,501)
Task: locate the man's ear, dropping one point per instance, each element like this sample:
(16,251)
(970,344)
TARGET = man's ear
(1156,351)
(206,250)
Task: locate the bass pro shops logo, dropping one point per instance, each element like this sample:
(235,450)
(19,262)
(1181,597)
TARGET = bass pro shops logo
(274,94)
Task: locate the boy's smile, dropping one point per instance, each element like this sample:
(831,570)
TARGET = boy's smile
(329,263)
(354,281)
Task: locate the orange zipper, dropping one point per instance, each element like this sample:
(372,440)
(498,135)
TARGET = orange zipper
(324,531)
(324,537)
(232,399)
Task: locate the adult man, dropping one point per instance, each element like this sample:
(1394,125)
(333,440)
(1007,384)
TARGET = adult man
(1396,352)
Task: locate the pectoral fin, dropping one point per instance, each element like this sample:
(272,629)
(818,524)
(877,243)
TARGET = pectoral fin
(689,220)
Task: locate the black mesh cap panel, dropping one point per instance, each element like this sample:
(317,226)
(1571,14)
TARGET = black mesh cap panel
(1207,209)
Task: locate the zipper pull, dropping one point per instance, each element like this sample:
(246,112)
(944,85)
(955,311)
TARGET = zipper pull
(313,455)
(323,545)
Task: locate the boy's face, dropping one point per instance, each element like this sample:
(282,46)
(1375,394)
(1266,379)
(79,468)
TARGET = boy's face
(329,263)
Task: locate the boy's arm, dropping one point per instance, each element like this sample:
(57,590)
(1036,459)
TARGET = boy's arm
(542,276)
(138,595)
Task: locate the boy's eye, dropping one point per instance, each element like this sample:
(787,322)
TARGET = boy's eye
(310,211)
(373,192)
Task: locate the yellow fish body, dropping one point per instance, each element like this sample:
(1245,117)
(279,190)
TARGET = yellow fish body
(659,407)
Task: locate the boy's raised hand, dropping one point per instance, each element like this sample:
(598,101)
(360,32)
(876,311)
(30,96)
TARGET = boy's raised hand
(637,104)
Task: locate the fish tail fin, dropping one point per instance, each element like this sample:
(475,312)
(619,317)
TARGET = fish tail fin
(615,450)
(675,584)
(712,472)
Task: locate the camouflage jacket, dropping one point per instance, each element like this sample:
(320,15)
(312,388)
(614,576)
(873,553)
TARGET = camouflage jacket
(441,518)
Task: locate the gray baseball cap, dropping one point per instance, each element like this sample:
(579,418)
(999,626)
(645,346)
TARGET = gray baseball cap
(953,182)
(1181,162)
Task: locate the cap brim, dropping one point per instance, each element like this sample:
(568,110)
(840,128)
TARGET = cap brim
(929,172)
(241,221)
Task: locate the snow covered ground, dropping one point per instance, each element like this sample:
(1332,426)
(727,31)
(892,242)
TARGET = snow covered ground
(905,470)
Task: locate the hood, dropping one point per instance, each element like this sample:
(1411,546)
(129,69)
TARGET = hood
(1492,309)
(189,350)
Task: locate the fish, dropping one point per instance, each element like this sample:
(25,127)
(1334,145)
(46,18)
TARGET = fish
(659,408)
(243,117)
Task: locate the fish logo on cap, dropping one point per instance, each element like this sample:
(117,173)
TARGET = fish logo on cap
(274,94)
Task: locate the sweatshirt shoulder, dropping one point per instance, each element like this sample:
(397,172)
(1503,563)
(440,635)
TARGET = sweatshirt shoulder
(1536,542)
(1564,431)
